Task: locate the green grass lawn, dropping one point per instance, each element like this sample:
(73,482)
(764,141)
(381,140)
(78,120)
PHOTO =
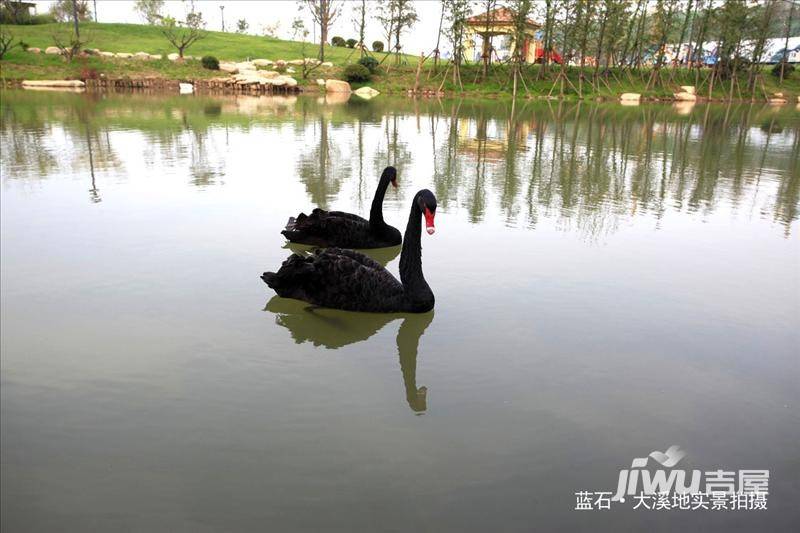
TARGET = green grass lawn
(143,38)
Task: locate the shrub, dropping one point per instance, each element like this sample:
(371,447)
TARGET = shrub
(370,62)
(88,73)
(210,62)
(377,46)
(356,72)
(351,43)
(338,41)
(788,70)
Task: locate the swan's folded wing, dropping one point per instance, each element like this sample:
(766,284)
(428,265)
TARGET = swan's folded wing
(349,280)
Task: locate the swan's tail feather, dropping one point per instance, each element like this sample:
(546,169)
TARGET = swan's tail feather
(290,224)
(288,280)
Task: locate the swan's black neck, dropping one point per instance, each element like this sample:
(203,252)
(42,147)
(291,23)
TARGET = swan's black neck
(416,288)
(376,211)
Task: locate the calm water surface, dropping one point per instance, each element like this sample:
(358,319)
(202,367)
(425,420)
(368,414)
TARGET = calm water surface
(609,281)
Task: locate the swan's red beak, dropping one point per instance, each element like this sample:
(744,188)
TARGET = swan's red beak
(429,221)
(394,182)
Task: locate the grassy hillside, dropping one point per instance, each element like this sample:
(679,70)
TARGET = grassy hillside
(141,38)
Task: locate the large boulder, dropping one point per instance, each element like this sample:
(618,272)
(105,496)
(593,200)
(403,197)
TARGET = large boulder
(245,65)
(327,64)
(268,74)
(141,55)
(107,54)
(53,83)
(290,82)
(280,63)
(156,57)
(367,92)
(123,55)
(34,50)
(174,56)
(52,50)
(630,97)
(688,89)
(262,62)
(230,68)
(320,82)
(296,62)
(337,86)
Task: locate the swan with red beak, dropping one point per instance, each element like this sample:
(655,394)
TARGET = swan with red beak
(346,279)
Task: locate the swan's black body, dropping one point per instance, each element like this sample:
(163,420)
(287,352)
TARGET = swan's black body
(345,279)
(346,230)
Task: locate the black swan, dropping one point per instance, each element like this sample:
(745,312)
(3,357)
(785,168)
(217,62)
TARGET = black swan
(346,230)
(349,280)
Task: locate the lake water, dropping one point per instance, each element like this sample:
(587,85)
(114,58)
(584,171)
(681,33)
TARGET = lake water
(609,281)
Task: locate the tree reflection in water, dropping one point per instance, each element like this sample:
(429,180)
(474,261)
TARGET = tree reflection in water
(586,166)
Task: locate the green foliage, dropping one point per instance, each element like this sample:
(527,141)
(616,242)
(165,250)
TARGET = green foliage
(370,62)
(62,10)
(150,10)
(377,46)
(210,62)
(351,43)
(338,41)
(788,69)
(357,73)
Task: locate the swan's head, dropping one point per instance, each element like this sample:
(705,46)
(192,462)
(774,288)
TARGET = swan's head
(427,204)
(390,174)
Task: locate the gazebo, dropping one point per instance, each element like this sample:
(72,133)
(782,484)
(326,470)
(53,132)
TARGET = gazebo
(500,23)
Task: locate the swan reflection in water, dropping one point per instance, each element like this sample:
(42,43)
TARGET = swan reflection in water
(333,329)
(384,256)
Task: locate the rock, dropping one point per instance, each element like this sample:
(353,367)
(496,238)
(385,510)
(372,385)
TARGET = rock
(296,62)
(320,82)
(107,54)
(685,97)
(247,79)
(262,62)
(777,95)
(53,83)
(229,68)
(290,70)
(186,88)
(337,86)
(141,55)
(327,64)
(280,63)
(34,50)
(52,50)
(630,97)
(245,65)
(688,89)
(173,56)
(290,82)
(123,55)
(267,74)
(312,61)
(777,101)
(156,57)
(367,92)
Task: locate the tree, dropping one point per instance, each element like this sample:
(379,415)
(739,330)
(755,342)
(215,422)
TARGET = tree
(360,24)
(324,13)
(520,10)
(6,42)
(456,13)
(184,34)
(241,26)
(150,10)
(405,18)
(785,60)
(65,10)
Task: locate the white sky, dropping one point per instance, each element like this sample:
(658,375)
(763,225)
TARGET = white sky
(422,37)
